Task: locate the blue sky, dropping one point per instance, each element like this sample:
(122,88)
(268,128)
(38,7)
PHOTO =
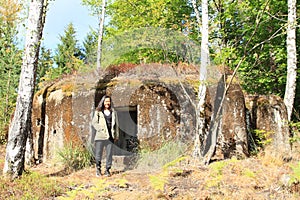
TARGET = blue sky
(60,14)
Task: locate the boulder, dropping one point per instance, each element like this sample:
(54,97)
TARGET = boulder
(228,127)
(268,119)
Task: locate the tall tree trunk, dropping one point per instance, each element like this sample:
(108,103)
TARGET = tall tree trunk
(197,13)
(203,69)
(21,124)
(290,89)
(7,96)
(203,75)
(100,36)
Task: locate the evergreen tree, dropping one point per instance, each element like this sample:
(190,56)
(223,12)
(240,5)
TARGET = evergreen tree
(90,48)
(68,56)
(45,65)
(10,62)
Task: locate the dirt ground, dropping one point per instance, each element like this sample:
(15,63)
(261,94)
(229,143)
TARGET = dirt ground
(261,177)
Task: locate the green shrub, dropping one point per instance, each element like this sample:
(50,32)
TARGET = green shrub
(75,157)
(258,140)
(295,176)
(295,128)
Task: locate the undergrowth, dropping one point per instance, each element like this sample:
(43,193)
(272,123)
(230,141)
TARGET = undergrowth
(154,160)
(295,176)
(31,186)
(295,129)
(82,192)
(158,181)
(75,157)
(164,159)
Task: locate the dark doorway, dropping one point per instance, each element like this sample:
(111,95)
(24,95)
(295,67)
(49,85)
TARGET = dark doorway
(127,121)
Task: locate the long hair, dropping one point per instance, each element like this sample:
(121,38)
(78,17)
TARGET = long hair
(100,106)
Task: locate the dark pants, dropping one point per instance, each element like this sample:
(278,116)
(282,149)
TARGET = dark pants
(99,146)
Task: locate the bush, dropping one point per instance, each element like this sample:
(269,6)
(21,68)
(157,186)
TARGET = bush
(75,157)
(295,129)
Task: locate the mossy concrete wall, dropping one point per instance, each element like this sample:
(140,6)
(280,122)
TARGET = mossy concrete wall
(164,102)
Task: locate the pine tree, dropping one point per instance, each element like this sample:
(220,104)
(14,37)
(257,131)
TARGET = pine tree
(45,65)
(90,48)
(10,62)
(68,56)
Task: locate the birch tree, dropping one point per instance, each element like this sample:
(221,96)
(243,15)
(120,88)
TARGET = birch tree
(100,36)
(94,5)
(204,65)
(291,83)
(203,73)
(21,124)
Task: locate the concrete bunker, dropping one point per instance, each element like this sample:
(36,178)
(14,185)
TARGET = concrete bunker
(150,101)
(154,105)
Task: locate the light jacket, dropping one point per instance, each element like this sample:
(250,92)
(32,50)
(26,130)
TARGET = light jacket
(99,124)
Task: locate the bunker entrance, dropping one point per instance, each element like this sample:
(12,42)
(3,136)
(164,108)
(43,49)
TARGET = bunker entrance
(127,122)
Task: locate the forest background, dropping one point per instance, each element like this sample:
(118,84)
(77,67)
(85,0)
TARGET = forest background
(253,30)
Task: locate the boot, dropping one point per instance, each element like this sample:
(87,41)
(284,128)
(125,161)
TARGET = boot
(98,169)
(107,172)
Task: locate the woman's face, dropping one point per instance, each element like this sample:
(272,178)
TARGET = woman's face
(106,103)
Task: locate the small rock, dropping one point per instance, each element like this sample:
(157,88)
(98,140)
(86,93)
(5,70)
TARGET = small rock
(285,179)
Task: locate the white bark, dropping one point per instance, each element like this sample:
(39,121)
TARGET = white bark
(290,89)
(100,36)
(203,75)
(204,57)
(20,128)
(194,3)
(204,42)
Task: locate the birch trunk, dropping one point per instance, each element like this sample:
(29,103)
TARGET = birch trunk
(100,36)
(203,75)
(20,128)
(290,89)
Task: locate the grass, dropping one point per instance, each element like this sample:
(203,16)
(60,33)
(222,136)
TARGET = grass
(159,181)
(86,192)
(259,177)
(31,186)
(75,157)
(166,158)
(155,160)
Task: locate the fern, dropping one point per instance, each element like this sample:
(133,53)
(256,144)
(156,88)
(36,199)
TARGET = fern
(295,176)
(158,181)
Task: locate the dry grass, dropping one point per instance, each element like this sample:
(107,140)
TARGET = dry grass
(261,177)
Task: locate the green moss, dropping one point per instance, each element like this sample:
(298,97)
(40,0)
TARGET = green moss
(262,102)
(68,89)
(249,173)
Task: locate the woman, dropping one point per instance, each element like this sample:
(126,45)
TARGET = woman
(104,121)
